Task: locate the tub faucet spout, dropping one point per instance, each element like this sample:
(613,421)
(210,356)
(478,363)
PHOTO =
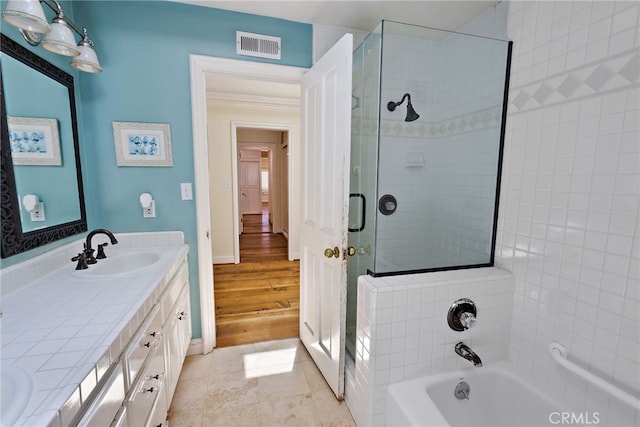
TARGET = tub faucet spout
(465,352)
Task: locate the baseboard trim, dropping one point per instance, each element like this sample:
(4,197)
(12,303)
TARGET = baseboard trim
(195,347)
(223,259)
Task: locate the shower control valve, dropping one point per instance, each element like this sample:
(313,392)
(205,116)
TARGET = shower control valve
(462,315)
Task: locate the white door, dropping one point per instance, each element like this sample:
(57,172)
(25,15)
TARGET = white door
(250,182)
(326,135)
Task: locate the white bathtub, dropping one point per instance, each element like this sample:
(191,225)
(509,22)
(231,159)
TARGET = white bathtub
(497,397)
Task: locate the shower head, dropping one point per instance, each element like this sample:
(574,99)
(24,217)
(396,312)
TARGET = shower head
(411,113)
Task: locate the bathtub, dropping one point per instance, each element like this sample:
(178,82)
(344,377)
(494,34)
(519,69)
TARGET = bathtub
(497,397)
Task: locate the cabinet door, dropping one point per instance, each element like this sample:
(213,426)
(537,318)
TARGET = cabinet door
(177,331)
(183,313)
(172,355)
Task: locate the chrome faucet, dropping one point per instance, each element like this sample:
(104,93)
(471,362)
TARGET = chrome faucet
(465,352)
(88,250)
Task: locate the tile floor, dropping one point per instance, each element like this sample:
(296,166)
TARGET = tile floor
(273,383)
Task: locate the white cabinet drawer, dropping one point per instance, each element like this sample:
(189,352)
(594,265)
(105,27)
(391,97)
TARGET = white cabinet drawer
(104,408)
(148,392)
(145,340)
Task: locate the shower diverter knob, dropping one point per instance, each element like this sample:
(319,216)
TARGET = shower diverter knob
(462,315)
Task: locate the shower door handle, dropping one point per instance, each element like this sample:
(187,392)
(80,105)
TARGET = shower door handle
(361,196)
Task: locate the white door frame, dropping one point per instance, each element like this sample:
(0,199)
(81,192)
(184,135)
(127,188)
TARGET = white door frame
(235,124)
(199,66)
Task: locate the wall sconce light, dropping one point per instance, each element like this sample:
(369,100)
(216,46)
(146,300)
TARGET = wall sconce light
(34,206)
(28,16)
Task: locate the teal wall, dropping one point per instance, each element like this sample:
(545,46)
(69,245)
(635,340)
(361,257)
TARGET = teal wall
(144,51)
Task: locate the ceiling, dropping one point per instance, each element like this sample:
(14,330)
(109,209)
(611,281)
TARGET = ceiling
(361,15)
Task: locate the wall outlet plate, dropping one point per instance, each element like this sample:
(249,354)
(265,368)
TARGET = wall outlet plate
(38,213)
(149,212)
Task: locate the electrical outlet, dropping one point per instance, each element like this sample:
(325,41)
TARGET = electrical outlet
(149,212)
(186,191)
(38,213)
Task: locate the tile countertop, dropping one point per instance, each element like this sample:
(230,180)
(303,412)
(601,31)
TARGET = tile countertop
(66,329)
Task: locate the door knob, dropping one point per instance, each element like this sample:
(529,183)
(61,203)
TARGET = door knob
(351,251)
(335,252)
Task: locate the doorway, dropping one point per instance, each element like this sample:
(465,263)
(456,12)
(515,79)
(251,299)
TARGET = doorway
(257,297)
(338,58)
(261,174)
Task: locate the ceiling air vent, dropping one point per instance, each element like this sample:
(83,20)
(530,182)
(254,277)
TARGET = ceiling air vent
(259,45)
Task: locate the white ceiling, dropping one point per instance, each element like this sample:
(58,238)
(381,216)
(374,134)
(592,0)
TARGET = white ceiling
(361,15)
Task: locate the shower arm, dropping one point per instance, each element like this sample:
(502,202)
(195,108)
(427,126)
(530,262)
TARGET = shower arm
(391,106)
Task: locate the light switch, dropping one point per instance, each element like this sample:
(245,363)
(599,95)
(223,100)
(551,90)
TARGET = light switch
(186,191)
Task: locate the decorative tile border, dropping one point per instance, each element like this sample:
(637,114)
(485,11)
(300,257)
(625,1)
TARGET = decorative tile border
(615,73)
(488,118)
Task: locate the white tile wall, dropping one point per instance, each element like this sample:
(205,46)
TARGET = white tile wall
(402,330)
(568,225)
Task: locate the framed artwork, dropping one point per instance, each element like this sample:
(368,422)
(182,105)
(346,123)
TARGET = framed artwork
(142,144)
(34,141)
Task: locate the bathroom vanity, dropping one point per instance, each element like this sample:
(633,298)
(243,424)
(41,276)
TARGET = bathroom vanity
(96,347)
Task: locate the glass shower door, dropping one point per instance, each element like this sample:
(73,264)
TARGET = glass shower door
(363,171)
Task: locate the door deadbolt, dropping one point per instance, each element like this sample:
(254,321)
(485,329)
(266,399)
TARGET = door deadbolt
(335,252)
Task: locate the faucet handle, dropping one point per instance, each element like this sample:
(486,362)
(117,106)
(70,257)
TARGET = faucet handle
(82,261)
(101,254)
(468,320)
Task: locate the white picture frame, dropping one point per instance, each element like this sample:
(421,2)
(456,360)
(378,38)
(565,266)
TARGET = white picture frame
(34,141)
(142,144)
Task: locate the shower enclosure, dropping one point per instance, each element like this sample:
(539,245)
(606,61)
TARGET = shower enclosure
(428,113)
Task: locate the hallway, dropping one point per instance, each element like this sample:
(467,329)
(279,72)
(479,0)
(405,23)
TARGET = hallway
(258,299)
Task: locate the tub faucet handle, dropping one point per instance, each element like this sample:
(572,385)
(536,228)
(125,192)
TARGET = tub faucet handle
(468,320)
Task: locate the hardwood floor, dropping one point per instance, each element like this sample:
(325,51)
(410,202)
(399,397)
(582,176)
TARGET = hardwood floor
(258,299)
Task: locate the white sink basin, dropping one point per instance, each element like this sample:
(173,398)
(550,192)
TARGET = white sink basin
(120,265)
(17,387)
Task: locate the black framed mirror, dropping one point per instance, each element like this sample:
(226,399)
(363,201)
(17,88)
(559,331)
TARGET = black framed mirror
(36,93)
